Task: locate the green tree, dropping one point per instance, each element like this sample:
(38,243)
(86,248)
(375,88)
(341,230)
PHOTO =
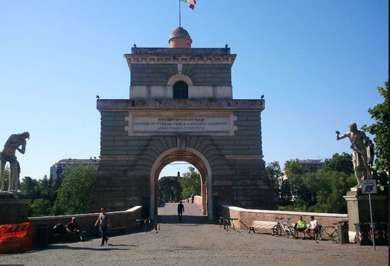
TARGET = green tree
(331,187)
(40,207)
(190,183)
(340,163)
(42,189)
(5,177)
(381,131)
(29,187)
(294,171)
(322,190)
(293,167)
(274,173)
(169,188)
(74,192)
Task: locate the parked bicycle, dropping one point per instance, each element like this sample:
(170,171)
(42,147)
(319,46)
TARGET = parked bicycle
(330,232)
(283,228)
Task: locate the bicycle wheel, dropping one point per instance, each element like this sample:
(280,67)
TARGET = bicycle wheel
(275,230)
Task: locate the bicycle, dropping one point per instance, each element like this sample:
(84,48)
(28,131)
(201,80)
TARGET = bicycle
(331,232)
(277,229)
(282,227)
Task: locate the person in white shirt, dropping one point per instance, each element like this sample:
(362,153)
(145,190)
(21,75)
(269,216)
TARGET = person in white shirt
(313,228)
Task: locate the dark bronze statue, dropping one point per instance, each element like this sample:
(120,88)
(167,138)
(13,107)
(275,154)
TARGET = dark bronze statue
(16,142)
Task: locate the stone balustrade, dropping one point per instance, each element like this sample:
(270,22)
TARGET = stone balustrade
(245,217)
(118,219)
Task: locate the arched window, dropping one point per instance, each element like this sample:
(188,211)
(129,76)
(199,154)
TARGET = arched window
(180,90)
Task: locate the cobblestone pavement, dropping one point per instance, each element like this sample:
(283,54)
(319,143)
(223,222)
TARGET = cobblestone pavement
(188,243)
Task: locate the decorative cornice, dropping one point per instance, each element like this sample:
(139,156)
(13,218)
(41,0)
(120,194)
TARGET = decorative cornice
(172,104)
(243,157)
(182,59)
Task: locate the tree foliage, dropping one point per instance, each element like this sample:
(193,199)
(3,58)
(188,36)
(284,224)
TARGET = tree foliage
(169,188)
(293,167)
(340,163)
(5,177)
(190,183)
(319,191)
(274,173)
(381,131)
(40,207)
(42,193)
(73,194)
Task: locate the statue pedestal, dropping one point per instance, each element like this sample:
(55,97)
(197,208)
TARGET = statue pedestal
(13,208)
(359,211)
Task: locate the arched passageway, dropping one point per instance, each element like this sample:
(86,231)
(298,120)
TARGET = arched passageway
(193,157)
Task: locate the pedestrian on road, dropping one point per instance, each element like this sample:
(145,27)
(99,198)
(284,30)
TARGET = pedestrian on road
(192,198)
(103,222)
(180,210)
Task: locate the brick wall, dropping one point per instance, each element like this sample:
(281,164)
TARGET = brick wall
(200,74)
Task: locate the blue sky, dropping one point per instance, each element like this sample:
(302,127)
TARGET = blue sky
(318,63)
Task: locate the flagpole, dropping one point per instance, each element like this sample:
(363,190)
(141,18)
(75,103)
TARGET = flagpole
(179,13)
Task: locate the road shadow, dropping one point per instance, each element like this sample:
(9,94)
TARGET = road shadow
(186,219)
(104,248)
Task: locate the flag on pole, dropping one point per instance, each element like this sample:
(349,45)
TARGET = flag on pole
(191,3)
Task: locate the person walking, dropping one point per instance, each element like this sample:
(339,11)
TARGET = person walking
(180,210)
(103,222)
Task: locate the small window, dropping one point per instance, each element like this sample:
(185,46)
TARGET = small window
(180,90)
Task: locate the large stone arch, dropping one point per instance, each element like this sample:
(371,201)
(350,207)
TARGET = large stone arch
(189,155)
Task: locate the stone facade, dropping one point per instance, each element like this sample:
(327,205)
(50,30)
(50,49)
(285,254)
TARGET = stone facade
(217,134)
(14,208)
(206,70)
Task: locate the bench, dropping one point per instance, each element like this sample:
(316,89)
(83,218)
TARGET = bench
(262,226)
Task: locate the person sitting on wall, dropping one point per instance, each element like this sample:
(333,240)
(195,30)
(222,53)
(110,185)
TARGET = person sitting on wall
(74,228)
(300,226)
(313,229)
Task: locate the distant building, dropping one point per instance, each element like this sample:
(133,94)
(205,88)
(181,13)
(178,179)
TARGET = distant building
(57,169)
(311,165)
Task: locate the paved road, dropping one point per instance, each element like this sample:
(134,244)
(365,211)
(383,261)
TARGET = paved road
(200,244)
(192,214)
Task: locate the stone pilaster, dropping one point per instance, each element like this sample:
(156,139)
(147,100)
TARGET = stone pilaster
(359,212)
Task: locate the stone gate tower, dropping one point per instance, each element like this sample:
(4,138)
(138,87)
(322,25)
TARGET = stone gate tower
(181,109)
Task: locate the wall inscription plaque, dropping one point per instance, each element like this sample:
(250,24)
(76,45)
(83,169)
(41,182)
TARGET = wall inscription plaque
(171,123)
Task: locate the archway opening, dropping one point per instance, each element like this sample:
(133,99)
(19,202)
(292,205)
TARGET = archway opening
(180,90)
(194,170)
(180,181)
